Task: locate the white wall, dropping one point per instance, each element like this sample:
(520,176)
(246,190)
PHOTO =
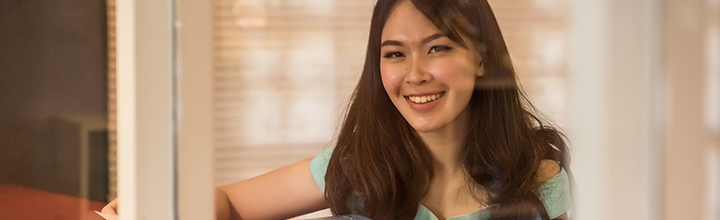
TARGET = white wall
(640,107)
(613,102)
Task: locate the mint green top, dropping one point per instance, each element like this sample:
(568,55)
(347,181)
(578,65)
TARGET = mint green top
(553,193)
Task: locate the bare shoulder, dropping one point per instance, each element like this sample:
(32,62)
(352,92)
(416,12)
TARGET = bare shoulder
(548,169)
(562,217)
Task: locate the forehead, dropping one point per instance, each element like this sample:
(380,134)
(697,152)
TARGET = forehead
(407,23)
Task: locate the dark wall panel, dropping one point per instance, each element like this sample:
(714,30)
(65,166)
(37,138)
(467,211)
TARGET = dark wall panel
(53,66)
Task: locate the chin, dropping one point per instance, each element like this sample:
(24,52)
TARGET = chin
(424,128)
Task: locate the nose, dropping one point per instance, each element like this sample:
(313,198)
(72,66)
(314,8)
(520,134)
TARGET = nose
(416,72)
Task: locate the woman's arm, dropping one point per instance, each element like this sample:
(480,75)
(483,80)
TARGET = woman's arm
(283,193)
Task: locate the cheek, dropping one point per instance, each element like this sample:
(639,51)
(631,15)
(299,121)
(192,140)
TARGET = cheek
(453,73)
(392,77)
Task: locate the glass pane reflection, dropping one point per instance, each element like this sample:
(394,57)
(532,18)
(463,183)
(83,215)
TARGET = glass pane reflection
(53,109)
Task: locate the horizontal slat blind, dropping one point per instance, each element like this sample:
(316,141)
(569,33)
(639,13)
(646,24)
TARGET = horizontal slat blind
(283,71)
(536,32)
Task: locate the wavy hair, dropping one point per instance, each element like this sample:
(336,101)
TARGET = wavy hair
(380,168)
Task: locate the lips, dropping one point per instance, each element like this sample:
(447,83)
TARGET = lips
(423,99)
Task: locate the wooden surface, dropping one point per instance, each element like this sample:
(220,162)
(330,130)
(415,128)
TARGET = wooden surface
(17,202)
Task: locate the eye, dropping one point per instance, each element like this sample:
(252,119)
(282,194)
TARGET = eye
(439,48)
(393,54)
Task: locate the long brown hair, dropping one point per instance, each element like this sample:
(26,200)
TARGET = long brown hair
(380,168)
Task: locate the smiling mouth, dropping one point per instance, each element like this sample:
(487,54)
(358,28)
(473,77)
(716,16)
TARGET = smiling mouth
(425,99)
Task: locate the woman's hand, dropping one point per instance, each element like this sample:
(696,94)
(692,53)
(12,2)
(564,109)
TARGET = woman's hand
(111,207)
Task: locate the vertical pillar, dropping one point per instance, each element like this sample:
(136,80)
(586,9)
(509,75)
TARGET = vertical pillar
(195,147)
(145,125)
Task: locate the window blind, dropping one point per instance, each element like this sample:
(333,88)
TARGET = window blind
(282,73)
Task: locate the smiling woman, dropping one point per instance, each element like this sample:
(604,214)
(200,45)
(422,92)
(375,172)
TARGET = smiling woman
(422,68)
(438,127)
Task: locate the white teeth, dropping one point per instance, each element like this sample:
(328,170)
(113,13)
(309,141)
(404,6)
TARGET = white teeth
(424,99)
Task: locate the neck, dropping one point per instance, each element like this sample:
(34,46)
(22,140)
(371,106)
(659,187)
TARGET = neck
(445,144)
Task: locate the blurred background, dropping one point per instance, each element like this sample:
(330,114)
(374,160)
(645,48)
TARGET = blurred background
(635,85)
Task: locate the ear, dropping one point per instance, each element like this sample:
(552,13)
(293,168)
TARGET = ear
(480,70)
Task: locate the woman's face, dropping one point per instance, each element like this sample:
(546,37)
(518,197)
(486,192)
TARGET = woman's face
(428,77)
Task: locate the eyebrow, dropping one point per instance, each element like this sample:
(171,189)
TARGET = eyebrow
(398,43)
